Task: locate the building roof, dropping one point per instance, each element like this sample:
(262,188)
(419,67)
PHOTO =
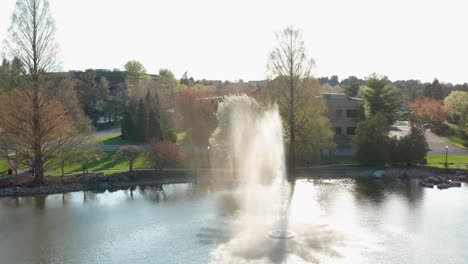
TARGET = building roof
(339,96)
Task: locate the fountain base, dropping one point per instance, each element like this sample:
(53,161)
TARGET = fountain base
(281,234)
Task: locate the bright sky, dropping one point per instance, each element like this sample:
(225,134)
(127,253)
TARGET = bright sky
(230,40)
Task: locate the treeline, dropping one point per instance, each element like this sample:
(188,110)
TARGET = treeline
(373,143)
(410,89)
(143,120)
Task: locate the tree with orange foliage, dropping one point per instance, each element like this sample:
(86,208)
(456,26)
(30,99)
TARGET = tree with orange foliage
(35,120)
(38,128)
(163,154)
(431,109)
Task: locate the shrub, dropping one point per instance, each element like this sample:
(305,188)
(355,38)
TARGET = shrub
(410,149)
(371,144)
(129,153)
(163,154)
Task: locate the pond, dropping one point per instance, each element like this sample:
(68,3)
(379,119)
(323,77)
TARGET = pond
(334,221)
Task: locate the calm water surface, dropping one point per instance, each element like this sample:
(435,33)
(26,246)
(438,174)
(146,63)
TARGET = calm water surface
(335,221)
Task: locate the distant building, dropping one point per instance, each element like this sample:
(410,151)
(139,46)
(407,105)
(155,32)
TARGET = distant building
(344,113)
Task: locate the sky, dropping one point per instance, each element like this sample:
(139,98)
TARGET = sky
(231,40)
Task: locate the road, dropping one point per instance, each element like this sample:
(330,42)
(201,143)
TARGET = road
(437,146)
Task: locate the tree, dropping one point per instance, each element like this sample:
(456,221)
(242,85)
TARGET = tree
(11,73)
(129,153)
(195,111)
(33,117)
(334,81)
(163,154)
(86,156)
(352,89)
(94,96)
(55,133)
(380,97)
(371,142)
(128,122)
(153,127)
(412,148)
(430,109)
(231,106)
(141,120)
(457,102)
(434,90)
(290,70)
(135,73)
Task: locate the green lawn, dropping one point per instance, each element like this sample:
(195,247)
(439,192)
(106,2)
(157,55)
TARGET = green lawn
(344,159)
(180,137)
(117,140)
(438,161)
(107,163)
(114,140)
(457,141)
(3,167)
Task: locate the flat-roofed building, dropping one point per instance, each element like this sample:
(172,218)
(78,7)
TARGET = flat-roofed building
(344,113)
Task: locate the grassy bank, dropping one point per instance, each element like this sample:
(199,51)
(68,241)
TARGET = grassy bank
(3,167)
(108,163)
(457,141)
(117,140)
(438,161)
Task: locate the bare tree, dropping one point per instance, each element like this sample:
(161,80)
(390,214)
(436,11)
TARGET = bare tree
(290,68)
(39,120)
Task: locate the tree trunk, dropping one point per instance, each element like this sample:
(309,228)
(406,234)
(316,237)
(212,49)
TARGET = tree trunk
(38,164)
(131,166)
(292,129)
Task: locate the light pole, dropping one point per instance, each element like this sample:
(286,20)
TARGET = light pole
(446,156)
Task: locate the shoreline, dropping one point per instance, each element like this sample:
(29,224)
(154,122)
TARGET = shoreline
(22,187)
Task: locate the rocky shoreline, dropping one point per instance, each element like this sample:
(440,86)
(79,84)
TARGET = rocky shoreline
(22,186)
(56,185)
(428,177)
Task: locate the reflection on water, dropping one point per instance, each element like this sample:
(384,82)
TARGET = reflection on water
(335,221)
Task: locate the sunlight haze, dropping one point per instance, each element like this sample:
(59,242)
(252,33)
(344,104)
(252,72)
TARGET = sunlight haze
(231,40)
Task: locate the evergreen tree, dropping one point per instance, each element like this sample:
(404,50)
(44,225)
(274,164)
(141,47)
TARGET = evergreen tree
(153,131)
(140,121)
(381,97)
(371,143)
(434,90)
(128,126)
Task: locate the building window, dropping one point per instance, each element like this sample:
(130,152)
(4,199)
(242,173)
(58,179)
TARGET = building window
(351,113)
(350,130)
(337,131)
(338,113)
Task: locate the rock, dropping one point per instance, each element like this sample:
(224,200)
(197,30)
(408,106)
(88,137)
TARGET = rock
(103,186)
(458,172)
(427,184)
(124,178)
(462,177)
(404,175)
(442,186)
(455,184)
(379,174)
(434,180)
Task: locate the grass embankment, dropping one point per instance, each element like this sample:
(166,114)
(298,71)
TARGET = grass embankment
(454,162)
(457,141)
(3,167)
(108,163)
(116,139)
